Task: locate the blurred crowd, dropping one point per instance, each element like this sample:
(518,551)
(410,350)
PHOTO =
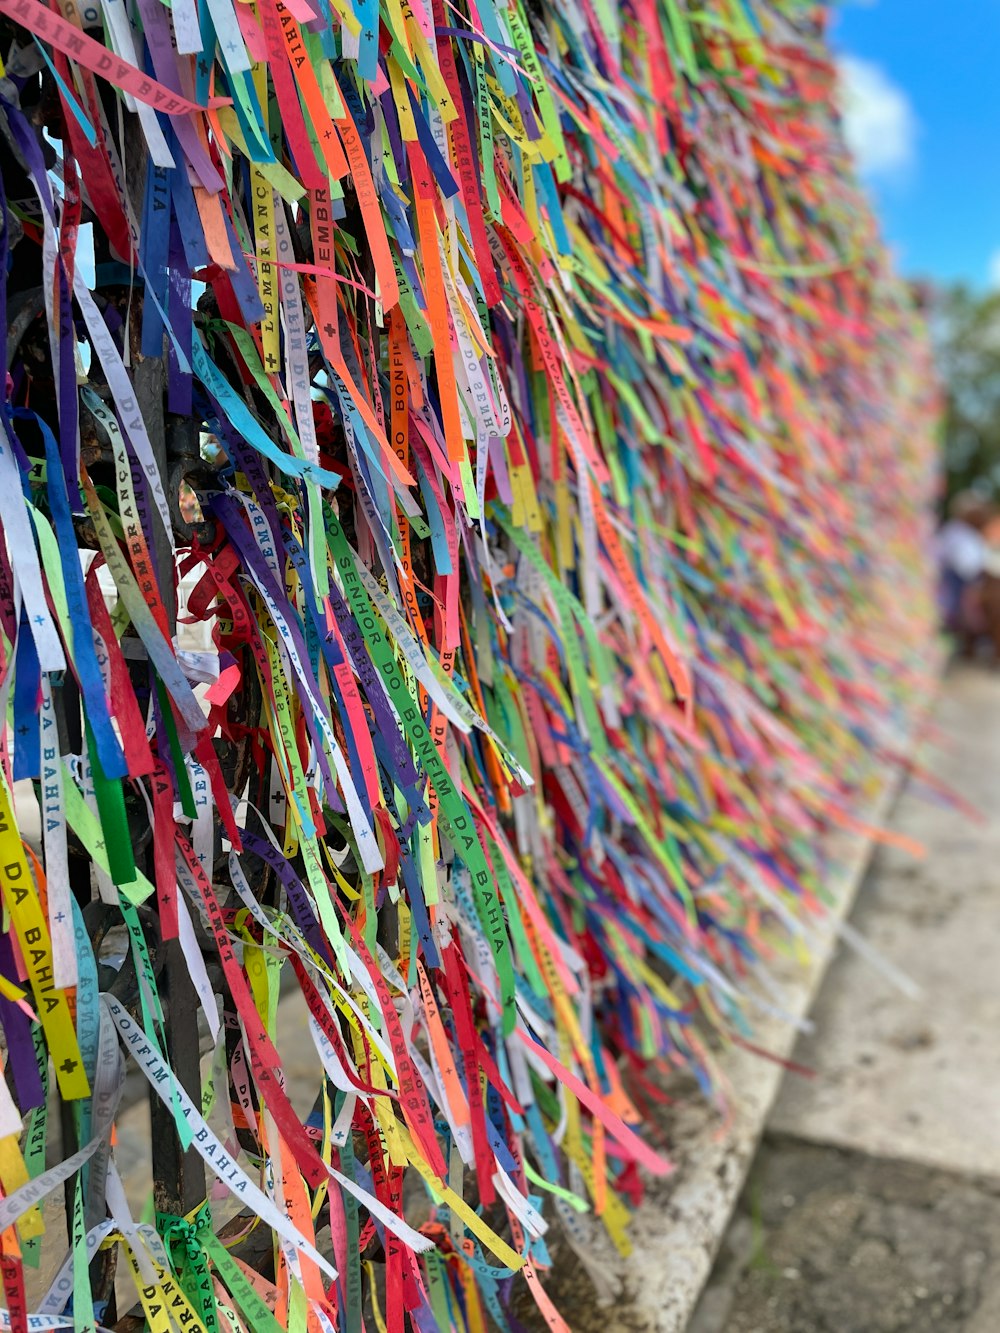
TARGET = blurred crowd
(968,556)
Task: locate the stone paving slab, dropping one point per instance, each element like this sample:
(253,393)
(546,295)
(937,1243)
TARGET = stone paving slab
(831,1241)
(874,1204)
(908,1078)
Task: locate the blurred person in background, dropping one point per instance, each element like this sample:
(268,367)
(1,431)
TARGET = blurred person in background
(990,581)
(961,551)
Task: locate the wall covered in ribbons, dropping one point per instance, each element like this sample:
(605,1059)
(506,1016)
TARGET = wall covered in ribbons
(464,484)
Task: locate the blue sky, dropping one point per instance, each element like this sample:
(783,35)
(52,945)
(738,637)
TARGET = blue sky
(923,110)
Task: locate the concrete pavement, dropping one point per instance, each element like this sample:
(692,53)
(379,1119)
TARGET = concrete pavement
(874,1203)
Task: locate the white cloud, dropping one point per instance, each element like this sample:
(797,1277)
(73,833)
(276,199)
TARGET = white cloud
(879,121)
(993,270)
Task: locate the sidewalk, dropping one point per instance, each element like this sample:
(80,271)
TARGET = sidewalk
(874,1203)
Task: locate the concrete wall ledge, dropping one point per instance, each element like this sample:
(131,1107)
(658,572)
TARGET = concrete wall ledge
(676,1231)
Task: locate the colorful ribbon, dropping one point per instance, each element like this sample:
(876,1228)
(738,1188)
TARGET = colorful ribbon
(464,479)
